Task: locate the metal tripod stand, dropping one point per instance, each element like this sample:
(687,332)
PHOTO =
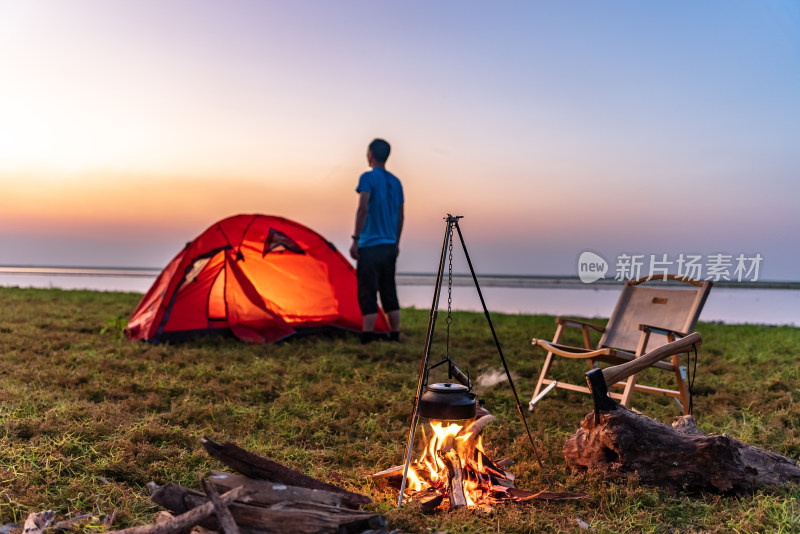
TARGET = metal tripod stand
(452,224)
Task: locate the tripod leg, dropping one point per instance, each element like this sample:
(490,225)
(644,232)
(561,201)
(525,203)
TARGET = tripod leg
(502,358)
(423,368)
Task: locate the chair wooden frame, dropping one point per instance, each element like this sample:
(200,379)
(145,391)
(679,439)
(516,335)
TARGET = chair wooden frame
(644,318)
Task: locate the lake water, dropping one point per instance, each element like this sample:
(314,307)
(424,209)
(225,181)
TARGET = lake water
(728,305)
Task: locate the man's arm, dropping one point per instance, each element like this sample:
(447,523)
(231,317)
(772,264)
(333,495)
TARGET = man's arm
(361,218)
(400,219)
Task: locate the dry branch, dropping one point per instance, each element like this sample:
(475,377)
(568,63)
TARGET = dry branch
(680,459)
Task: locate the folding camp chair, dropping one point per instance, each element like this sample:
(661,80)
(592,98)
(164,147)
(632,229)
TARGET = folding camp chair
(645,318)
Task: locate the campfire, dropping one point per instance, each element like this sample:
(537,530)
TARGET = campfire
(453,469)
(453,464)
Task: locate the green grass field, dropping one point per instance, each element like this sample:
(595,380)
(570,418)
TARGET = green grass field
(91,417)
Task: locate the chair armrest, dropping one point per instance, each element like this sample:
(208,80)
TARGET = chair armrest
(577,352)
(663,331)
(579,324)
(646,329)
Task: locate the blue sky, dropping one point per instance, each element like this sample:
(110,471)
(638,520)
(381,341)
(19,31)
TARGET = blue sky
(128,127)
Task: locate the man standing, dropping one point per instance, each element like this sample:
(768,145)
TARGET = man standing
(379,222)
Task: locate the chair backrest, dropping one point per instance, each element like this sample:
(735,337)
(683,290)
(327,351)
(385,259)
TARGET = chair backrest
(663,306)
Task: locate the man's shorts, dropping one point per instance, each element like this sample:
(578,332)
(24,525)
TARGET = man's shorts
(375,272)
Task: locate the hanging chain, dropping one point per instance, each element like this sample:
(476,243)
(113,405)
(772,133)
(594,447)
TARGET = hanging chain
(449,290)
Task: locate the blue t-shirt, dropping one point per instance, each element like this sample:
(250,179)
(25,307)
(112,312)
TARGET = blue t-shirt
(385,199)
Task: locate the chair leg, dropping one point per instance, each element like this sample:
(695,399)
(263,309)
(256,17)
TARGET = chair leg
(548,361)
(631,383)
(683,389)
(629,388)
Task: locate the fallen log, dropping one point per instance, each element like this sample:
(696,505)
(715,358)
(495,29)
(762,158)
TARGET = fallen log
(678,458)
(258,467)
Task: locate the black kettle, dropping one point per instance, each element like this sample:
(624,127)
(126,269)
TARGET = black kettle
(447,401)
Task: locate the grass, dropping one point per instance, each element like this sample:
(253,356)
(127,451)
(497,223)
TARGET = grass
(91,417)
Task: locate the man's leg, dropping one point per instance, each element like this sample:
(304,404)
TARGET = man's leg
(394,320)
(394,325)
(368,322)
(367,276)
(388,290)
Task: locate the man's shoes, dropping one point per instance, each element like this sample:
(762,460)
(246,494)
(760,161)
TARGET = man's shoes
(367,337)
(394,336)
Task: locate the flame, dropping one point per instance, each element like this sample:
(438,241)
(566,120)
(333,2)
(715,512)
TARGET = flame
(430,471)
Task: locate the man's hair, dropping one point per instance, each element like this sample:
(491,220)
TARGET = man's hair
(380,150)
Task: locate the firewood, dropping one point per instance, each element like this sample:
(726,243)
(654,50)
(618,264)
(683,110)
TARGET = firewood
(473,430)
(455,479)
(395,471)
(220,509)
(254,466)
(477,426)
(186,519)
(264,493)
(38,521)
(430,503)
(282,517)
(553,496)
(505,462)
(628,444)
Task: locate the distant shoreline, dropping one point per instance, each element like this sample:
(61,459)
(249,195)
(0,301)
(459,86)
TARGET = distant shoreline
(406,279)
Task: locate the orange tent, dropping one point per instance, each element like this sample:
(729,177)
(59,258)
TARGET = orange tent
(259,277)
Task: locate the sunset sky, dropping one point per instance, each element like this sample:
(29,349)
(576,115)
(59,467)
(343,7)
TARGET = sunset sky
(128,127)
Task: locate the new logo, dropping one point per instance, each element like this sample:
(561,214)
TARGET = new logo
(591,267)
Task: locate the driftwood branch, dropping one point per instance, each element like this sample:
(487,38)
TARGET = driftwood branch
(682,458)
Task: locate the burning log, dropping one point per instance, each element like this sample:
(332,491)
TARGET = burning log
(679,458)
(455,479)
(454,466)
